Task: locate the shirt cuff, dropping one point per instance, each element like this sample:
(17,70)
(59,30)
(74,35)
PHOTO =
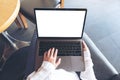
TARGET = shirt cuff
(87,54)
(88,60)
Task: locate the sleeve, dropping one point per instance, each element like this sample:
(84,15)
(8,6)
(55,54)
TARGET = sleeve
(88,74)
(43,72)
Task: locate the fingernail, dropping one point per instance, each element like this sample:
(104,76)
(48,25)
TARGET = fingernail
(56,49)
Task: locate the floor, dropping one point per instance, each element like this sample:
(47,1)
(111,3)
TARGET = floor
(102,26)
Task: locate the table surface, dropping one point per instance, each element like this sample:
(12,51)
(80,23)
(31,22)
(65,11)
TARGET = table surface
(8,12)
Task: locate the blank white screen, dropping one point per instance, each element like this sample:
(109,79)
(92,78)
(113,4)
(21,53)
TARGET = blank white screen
(60,23)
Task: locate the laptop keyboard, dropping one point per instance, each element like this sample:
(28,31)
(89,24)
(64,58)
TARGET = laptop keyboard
(65,48)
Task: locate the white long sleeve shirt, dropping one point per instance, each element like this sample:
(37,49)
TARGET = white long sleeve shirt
(47,71)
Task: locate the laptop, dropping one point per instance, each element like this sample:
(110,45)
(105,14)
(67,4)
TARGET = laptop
(63,30)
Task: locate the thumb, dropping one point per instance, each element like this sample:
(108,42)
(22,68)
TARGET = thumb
(58,62)
(85,47)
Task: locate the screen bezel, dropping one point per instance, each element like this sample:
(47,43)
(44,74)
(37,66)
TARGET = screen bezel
(65,9)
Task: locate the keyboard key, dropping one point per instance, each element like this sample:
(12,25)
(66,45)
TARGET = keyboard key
(65,48)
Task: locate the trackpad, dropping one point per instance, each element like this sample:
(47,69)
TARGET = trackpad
(72,63)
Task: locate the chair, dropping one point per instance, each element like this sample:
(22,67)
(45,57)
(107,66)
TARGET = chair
(21,21)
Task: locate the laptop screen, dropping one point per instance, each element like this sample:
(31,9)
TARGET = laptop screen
(60,22)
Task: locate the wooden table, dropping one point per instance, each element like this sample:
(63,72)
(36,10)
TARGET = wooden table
(8,12)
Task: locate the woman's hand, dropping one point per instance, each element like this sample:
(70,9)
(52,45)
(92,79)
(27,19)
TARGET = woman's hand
(51,56)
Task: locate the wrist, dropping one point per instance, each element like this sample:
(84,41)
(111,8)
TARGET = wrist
(87,54)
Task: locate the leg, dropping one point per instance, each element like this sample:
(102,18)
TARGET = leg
(23,20)
(18,23)
(62,4)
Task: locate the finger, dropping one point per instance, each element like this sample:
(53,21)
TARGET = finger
(45,54)
(52,52)
(48,53)
(55,54)
(58,62)
(83,44)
